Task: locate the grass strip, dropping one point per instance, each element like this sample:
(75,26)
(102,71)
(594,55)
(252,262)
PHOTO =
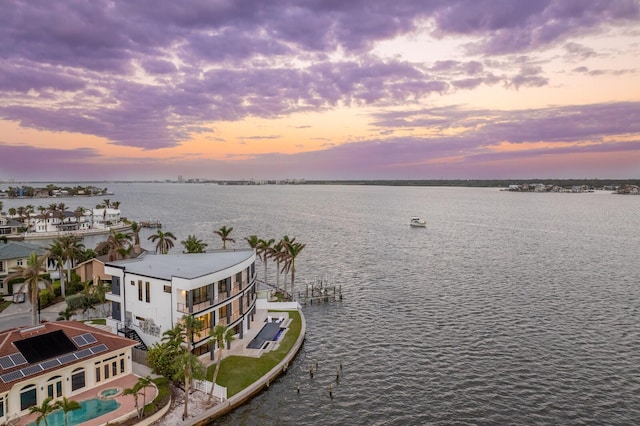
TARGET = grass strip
(238,372)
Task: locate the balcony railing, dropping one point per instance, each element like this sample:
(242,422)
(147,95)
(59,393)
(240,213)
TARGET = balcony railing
(226,321)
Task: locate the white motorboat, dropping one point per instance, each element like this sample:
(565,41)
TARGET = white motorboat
(417,222)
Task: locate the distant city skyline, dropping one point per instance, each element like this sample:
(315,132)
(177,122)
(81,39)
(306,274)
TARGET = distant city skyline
(232,90)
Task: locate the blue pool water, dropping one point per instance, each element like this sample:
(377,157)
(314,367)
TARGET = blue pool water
(270,331)
(88,410)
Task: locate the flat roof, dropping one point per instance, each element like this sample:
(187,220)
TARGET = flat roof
(187,266)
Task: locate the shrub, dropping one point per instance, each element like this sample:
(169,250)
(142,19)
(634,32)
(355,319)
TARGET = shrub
(46,296)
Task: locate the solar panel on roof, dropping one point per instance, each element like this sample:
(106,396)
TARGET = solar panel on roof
(45,346)
(10,377)
(65,359)
(32,369)
(83,353)
(84,339)
(18,358)
(100,348)
(79,340)
(50,364)
(6,362)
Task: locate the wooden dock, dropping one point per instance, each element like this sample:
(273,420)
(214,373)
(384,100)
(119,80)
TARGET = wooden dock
(320,292)
(150,224)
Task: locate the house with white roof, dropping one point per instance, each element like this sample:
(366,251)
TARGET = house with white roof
(152,293)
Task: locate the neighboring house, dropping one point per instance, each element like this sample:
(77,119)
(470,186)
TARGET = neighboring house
(67,221)
(9,226)
(12,255)
(91,268)
(57,359)
(150,294)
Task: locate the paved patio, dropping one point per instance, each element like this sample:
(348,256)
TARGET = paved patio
(127,404)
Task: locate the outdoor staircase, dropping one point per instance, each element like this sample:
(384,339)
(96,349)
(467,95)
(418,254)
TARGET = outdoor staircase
(133,335)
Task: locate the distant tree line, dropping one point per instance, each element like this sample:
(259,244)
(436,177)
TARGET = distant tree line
(487,183)
(50,190)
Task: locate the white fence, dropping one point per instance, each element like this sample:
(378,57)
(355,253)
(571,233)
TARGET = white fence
(277,306)
(219,392)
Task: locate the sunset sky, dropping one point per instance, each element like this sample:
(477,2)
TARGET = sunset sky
(319,89)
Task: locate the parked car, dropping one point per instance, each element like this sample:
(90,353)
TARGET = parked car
(19,298)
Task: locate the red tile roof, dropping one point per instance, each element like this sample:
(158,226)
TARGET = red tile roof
(71,329)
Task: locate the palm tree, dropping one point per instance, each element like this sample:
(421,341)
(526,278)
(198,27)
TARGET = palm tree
(294,250)
(78,213)
(223,233)
(193,245)
(165,241)
(188,360)
(253,241)
(264,253)
(190,325)
(27,211)
(32,276)
(188,367)
(72,249)
(276,253)
(43,410)
(135,230)
(100,290)
(283,257)
(134,391)
(107,203)
(66,314)
(144,383)
(56,253)
(219,335)
(113,244)
(67,405)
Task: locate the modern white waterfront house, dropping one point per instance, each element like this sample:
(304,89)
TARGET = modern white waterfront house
(57,359)
(150,295)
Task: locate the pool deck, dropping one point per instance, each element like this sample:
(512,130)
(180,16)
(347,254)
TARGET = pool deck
(239,347)
(127,404)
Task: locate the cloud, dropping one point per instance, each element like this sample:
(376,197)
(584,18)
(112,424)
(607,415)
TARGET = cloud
(152,74)
(448,141)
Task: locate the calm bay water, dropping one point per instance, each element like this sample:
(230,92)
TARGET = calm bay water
(508,308)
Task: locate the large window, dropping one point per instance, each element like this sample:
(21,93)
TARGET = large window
(54,387)
(28,397)
(201,295)
(2,399)
(224,311)
(222,286)
(77,379)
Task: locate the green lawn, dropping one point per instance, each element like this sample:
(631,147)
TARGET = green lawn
(4,304)
(238,372)
(97,321)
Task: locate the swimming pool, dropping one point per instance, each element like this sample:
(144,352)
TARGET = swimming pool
(270,331)
(89,409)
